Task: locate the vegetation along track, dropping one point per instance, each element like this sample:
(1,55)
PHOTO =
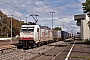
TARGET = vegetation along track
(48,52)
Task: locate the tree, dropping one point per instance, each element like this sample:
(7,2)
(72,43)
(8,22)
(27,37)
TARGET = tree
(86,7)
(57,28)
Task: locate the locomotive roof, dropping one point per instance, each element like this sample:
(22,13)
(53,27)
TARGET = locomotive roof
(45,27)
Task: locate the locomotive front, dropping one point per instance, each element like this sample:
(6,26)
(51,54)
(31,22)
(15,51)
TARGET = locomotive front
(26,35)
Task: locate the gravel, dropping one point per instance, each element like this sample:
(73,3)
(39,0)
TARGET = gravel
(40,53)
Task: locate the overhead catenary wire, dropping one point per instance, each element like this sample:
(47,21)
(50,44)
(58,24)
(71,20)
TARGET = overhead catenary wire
(47,5)
(52,10)
(20,8)
(38,6)
(27,0)
(65,14)
(10,5)
(14,6)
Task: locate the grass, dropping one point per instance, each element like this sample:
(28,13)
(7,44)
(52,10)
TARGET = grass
(74,57)
(87,41)
(3,37)
(83,57)
(7,37)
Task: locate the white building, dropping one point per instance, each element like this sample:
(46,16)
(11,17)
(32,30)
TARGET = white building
(82,21)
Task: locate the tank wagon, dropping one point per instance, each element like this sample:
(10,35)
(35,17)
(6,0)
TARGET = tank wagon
(36,35)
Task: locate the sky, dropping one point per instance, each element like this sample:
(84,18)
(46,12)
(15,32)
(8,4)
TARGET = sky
(63,16)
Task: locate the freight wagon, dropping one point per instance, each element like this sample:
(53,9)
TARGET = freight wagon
(36,35)
(56,35)
(65,35)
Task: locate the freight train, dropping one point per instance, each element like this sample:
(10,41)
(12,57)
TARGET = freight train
(36,35)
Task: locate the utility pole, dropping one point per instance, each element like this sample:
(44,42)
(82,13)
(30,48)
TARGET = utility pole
(26,19)
(52,18)
(73,30)
(11,26)
(63,24)
(36,20)
(67,28)
(20,22)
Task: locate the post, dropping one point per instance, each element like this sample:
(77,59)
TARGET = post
(11,29)
(67,28)
(11,26)
(63,25)
(52,19)
(20,22)
(73,30)
(26,19)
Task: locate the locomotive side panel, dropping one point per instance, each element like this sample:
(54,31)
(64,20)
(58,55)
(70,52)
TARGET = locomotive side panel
(36,33)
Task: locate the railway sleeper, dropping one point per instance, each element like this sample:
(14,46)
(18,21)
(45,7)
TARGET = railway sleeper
(6,50)
(59,45)
(48,54)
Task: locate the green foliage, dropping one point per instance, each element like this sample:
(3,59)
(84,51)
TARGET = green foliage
(13,38)
(5,26)
(3,37)
(75,57)
(86,7)
(58,28)
(88,40)
(83,57)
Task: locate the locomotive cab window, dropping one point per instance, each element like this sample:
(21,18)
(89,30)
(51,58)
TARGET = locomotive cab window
(26,29)
(37,29)
(23,29)
(31,29)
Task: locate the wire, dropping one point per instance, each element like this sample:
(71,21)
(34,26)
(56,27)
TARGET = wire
(50,7)
(38,6)
(47,5)
(10,5)
(14,6)
(35,4)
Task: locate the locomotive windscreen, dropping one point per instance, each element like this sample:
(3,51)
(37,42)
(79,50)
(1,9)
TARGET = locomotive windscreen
(27,29)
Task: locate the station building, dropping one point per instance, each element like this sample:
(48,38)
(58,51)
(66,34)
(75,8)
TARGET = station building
(84,22)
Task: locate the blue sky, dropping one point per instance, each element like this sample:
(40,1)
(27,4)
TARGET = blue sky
(64,11)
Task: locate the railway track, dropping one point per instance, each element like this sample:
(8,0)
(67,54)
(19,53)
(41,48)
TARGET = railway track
(52,53)
(6,48)
(46,52)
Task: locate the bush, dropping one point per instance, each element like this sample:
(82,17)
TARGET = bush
(88,40)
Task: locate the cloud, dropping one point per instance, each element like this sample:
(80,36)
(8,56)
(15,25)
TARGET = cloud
(7,11)
(24,8)
(81,1)
(39,3)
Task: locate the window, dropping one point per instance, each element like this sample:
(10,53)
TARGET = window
(27,29)
(37,29)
